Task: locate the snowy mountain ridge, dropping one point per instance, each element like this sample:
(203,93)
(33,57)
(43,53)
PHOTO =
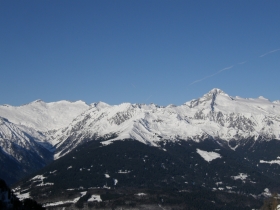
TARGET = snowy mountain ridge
(22,150)
(43,116)
(215,115)
(223,145)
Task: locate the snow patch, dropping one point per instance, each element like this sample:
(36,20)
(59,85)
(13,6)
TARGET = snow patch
(141,194)
(65,202)
(44,184)
(95,198)
(38,177)
(266,192)
(271,162)
(208,156)
(240,176)
(124,172)
(23,196)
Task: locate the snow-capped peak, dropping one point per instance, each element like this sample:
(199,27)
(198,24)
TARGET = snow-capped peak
(44,116)
(38,101)
(216,91)
(263,98)
(214,115)
(210,97)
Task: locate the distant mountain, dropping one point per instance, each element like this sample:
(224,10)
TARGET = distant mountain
(9,201)
(21,153)
(25,135)
(226,147)
(43,116)
(215,115)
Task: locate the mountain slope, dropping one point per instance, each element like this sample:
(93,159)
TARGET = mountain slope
(123,171)
(224,148)
(214,115)
(21,153)
(43,116)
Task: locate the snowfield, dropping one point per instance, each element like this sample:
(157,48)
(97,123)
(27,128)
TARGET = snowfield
(208,156)
(43,116)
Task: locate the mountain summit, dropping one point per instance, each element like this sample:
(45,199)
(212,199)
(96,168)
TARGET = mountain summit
(209,97)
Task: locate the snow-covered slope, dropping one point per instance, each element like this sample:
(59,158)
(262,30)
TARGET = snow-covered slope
(21,151)
(43,116)
(214,115)
(25,132)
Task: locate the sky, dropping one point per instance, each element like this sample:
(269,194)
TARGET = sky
(140,51)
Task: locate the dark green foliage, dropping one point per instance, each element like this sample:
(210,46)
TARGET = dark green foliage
(80,203)
(31,204)
(3,185)
(173,174)
(110,196)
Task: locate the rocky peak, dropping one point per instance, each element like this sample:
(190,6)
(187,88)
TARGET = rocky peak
(210,96)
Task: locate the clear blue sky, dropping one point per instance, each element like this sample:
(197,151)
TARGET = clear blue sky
(138,51)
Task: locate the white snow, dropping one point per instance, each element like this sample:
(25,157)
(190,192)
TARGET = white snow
(115,181)
(266,192)
(107,175)
(23,196)
(95,198)
(208,156)
(271,162)
(38,177)
(141,194)
(44,116)
(215,114)
(240,176)
(45,184)
(64,202)
(12,134)
(57,203)
(124,172)
(106,187)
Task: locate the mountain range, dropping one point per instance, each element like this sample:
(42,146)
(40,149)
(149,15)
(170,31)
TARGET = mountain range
(216,143)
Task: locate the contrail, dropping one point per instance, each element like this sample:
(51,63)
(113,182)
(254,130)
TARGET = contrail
(218,72)
(273,51)
(149,98)
(227,68)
